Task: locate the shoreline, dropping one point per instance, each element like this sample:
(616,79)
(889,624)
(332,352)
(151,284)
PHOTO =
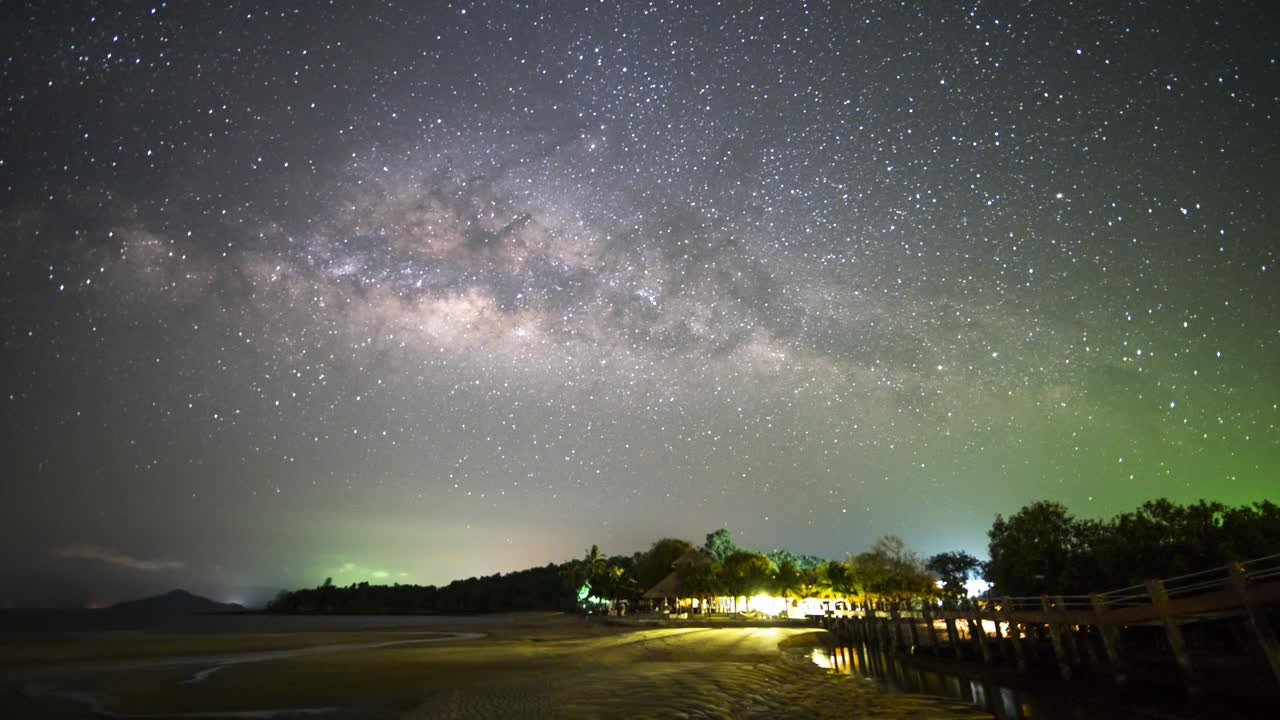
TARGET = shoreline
(538,667)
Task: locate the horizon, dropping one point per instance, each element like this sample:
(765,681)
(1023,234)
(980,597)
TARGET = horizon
(257,598)
(423,294)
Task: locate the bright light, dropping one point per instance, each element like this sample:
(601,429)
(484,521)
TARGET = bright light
(767,604)
(976,587)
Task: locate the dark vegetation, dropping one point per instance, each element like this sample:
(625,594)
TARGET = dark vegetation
(1041,549)
(541,588)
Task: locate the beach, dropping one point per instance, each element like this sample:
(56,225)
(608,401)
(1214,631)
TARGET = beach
(516,666)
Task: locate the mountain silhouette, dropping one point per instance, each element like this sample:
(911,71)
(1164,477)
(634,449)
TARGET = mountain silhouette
(175,602)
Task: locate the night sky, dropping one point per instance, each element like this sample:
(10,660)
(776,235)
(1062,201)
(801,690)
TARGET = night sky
(405,292)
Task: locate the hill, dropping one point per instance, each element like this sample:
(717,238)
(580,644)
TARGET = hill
(174,602)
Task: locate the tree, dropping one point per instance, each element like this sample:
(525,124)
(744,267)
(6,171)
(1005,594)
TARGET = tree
(810,584)
(700,578)
(788,581)
(589,571)
(1250,531)
(746,573)
(1029,551)
(596,567)
(1042,549)
(802,562)
(837,578)
(660,560)
(891,571)
(954,569)
(1032,551)
(594,561)
(719,546)
(615,584)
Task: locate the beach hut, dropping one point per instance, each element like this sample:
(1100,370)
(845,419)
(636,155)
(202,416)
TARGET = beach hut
(671,588)
(667,589)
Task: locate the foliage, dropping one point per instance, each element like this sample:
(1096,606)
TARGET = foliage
(801,562)
(659,561)
(891,571)
(954,569)
(810,585)
(616,583)
(837,578)
(746,573)
(719,546)
(700,577)
(1032,550)
(540,588)
(788,580)
(1043,549)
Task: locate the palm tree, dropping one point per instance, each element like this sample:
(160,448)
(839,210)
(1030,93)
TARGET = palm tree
(595,568)
(809,582)
(594,561)
(788,580)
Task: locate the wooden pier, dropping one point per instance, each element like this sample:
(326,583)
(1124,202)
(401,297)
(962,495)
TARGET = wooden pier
(1084,632)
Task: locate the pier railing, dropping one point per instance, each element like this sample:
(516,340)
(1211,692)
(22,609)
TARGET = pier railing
(1077,624)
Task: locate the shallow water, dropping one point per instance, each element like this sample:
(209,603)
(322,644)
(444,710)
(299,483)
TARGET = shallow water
(19,623)
(1006,703)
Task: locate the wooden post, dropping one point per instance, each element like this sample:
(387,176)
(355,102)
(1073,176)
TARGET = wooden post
(1019,652)
(1068,634)
(1090,647)
(915,631)
(1035,633)
(953,636)
(977,632)
(1258,622)
(893,628)
(1055,636)
(1005,651)
(1160,599)
(933,631)
(1110,640)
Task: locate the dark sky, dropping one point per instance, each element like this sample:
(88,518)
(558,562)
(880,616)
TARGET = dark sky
(412,291)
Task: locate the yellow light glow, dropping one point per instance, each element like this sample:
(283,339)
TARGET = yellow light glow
(767,604)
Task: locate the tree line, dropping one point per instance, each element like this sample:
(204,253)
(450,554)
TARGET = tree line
(1044,550)
(1041,549)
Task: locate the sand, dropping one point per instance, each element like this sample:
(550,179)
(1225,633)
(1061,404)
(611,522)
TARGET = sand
(523,667)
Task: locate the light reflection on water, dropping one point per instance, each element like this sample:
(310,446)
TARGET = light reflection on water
(1004,702)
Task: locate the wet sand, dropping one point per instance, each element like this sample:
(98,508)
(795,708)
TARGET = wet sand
(523,667)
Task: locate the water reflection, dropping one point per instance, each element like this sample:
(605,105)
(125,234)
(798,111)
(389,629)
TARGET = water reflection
(1004,702)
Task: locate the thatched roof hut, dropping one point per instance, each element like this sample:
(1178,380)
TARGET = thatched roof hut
(667,587)
(670,586)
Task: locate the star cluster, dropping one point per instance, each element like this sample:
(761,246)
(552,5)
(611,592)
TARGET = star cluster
(381,290)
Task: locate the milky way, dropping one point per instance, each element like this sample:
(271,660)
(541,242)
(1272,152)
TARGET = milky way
(382,291)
